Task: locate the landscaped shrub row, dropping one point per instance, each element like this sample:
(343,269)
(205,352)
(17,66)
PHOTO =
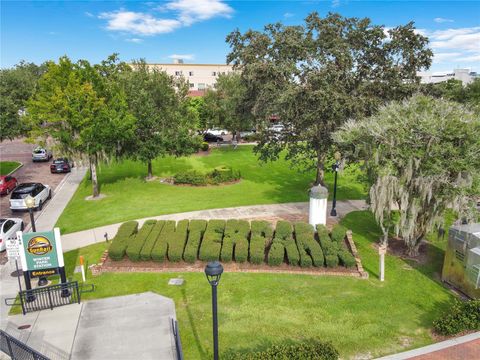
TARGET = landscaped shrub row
(310,251)
(462,316)
(121,239)
(135,245)
(195,236)
(236,240)
(212,241)
(218,176)
(283,243)
(260,240)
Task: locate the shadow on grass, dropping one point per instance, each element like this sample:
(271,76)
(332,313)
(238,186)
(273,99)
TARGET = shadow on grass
(192,325)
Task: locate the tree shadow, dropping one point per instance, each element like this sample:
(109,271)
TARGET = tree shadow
(200,349)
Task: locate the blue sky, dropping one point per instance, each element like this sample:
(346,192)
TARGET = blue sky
(196,29)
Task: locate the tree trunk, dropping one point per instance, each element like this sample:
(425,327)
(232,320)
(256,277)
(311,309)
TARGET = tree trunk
(93,172)
(90,167)
(149,167)
(237,134)
(320,169)
(413,249)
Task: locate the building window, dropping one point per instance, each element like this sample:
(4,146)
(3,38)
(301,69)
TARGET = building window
(192,85)
(178,73)
(201,86)
(190,73)
(214,73)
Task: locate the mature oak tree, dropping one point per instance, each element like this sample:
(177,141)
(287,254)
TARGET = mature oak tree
(316,76)
(422,156)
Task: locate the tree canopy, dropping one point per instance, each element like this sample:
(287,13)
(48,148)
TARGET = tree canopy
(422,156)
(316,76)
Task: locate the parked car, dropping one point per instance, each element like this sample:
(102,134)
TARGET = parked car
(278,128)
(7,184)
(217,131)
(208,137)
(247,133)
(61,165)
(8,230)
(41,154)
(41,193)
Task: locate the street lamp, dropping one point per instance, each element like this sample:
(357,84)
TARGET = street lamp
(214,271)
(30,204)
(335,167)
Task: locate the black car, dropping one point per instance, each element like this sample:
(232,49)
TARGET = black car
(61,165)
(211,138)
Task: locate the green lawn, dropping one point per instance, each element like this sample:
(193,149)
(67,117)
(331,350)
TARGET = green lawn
(7,166)
(130,197)
(360,317)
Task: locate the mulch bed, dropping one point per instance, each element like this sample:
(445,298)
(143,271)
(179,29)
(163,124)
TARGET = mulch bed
(398,248)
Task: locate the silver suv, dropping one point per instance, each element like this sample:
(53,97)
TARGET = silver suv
(41,154)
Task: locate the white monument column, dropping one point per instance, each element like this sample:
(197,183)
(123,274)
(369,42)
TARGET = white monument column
(318,205)
(382,250)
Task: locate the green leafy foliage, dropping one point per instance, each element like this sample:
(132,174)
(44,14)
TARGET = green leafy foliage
(205,146)
(346,258)
(308,350)
(235,241)
(159,250)
(218,176)
(176,244)
(338,233)
(146,252)
(282,243)
(260,238)
(195,235)
(120,242)
(212,241)
(462,316)
(310,251)
(135,245)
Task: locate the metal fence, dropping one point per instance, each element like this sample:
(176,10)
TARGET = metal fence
(17,350)
(176,335)
(49,297)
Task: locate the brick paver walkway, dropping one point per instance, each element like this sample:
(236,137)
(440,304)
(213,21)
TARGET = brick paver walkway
(466,351)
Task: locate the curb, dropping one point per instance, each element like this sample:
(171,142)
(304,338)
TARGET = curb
(18,167)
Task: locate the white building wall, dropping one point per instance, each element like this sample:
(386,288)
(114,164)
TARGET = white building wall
(199,76)
(464,75)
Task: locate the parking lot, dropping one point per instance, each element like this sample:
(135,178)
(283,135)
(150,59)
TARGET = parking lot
(20,151)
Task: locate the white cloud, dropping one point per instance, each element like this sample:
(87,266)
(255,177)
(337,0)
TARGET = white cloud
(335,3)
(288,15)
(182,56)
(89,14)
(177,14)
(441,20)
(191,11)
(138,23)
(134,40)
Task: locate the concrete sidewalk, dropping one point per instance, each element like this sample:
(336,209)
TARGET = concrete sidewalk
(87,237)
(461,348)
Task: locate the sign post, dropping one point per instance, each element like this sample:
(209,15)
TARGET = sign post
(13,253)
(41,255)
(382,250)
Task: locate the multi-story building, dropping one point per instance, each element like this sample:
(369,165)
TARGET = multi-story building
(464,75)
(200,76)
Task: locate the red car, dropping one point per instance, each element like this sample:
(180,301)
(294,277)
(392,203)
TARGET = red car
(61,165)
(7,184)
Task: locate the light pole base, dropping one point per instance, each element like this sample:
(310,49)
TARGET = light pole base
(333,212)
(42,281)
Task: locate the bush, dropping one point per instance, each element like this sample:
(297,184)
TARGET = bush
(346,258)
(283,241)
(120,241)
(252,138)
(190,177)
(260,238)
(218,176)
(195,235)
(331,261)
(309,350)
(176,243)
(310,251)
(235,241)
(146,252)
(212,241)
(338,234)
(205,146)
(462,316)
(159,250)
(135,245)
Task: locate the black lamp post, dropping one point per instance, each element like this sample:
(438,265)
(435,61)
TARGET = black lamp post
(30,204)
(214,271)
(335,167)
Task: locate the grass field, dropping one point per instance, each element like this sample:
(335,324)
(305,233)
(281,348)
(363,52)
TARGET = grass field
(129,196)
(7,166)
(361,317)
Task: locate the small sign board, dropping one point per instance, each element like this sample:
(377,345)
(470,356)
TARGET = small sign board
(13,250)
(382,249)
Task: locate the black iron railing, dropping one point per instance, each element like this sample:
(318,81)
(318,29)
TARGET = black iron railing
(176,335)
(49,297)
(17,350)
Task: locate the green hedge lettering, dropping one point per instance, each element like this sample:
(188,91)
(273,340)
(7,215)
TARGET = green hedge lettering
(235,241)
(212,241)
(146,252)
(260,238)
(283,242)
(195,235)
(120,242)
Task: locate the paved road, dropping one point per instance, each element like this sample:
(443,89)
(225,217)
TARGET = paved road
(18,150)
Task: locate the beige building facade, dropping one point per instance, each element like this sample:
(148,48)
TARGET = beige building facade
(200,76)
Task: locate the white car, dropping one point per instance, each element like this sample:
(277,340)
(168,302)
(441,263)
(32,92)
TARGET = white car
(41,154)
(41,193)
(8,230)
(278,128)
(217,131)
